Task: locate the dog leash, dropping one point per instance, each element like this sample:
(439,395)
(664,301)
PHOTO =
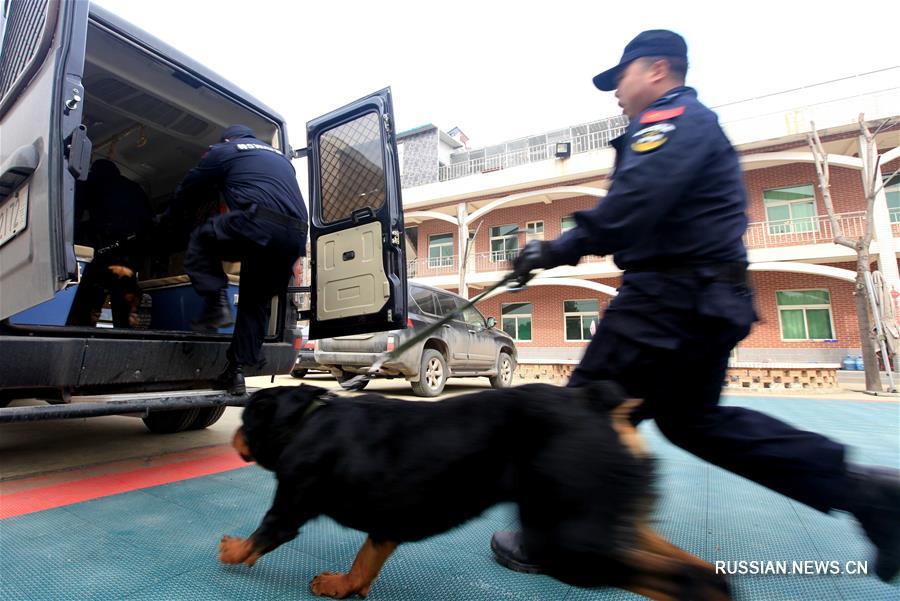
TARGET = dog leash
(358,381)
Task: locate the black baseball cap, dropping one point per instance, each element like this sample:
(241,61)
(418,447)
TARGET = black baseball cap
(236,131)
(655,42)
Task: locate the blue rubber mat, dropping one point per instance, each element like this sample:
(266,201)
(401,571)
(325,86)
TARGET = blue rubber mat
(161,543)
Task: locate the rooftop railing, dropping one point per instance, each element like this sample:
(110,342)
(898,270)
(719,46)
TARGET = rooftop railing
(583,138)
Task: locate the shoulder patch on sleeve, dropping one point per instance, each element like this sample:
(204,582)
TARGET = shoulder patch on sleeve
(651,137)
(661,115)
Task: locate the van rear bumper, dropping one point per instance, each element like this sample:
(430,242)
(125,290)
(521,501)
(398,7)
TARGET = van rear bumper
(81,363)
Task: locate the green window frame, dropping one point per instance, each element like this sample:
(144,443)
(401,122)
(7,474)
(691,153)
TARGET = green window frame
(515,319)
(440,250)
(805,314)
(790,210)
(504,242)
(578,316)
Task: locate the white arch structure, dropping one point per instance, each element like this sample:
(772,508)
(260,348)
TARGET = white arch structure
(574,282)
(838,273)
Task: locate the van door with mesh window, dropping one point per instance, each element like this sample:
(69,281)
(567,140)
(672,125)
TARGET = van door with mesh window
(357,236)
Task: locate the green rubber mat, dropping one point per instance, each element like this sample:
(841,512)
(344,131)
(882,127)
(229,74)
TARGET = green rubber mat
(161,543)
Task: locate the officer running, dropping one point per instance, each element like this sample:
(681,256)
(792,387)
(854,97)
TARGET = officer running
(673,219)
(265,229)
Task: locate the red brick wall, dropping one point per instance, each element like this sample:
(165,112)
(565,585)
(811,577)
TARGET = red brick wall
(551,214)
(767,331)
(547,321)
(846,187)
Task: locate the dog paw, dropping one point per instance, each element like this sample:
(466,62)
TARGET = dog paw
(338,586)
(234,550)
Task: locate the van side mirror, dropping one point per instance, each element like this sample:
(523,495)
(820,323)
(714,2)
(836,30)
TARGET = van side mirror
(491,322)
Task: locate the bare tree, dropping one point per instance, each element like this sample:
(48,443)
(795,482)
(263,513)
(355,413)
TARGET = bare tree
(871,186)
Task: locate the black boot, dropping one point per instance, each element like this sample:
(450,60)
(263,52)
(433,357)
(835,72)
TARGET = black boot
(510,552)
(875,501)
(216,314)
(231,380)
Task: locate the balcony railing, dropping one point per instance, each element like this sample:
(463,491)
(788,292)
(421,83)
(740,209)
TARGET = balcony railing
(805,230)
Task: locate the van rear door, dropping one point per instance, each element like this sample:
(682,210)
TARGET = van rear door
(356,221)
(43,148)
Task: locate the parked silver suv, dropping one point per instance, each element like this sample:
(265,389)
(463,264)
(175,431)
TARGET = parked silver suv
(468,346)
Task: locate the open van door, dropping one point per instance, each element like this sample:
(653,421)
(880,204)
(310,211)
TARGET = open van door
(43,148)
(356,221)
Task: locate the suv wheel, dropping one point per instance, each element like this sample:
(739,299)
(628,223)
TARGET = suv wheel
(432,375)
(506,367)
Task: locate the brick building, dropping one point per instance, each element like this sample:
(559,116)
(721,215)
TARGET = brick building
(501,196)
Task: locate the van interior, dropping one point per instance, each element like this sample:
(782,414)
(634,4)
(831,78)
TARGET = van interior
(154,121)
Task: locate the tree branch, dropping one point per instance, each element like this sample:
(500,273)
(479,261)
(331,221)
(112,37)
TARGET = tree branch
(821,162)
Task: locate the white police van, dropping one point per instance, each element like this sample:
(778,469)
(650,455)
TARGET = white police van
(77,84)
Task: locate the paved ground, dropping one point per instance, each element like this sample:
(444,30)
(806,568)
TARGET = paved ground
(101,509)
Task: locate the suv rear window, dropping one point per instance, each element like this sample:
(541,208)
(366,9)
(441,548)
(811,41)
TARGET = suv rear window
(424,298)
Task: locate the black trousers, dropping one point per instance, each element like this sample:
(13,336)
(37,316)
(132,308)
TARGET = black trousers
(267,262)
(681,389)
(98,280)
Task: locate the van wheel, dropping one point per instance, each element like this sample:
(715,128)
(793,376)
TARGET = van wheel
(432,375)
(506,367)
(299,373)
(207,416)
(346,376)
(169,422)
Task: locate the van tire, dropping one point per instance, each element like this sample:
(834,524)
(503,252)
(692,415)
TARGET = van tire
(299,373)
(506,369)
(207,416)
(432,375)
(169,422)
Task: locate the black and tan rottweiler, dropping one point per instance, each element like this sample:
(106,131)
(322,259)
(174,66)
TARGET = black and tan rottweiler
(405,470)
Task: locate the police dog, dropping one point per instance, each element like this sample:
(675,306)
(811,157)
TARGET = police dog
(403,471)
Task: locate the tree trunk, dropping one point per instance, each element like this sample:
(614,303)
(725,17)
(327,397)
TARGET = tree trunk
(866,337)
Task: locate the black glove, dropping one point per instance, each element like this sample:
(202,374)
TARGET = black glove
(535,255)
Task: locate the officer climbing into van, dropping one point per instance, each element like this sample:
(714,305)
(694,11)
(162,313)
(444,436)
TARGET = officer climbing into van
(265,229)
(674,219)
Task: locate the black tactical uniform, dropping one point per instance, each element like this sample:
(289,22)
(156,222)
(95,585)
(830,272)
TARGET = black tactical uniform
(673,219)
(265,229)
(112,216)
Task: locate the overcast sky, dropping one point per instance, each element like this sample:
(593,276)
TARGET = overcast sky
(501,70)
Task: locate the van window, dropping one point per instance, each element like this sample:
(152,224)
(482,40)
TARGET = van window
(424,298)
(352,168)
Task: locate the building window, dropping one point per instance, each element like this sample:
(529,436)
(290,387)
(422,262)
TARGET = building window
(790,210)
(567,223)
(440,250)
(892,193)
(534,230)
(504,242)
(579,315)
(805,314)
(516,320)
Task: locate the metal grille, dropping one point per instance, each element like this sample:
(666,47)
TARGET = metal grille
(25,22)
(352,168)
